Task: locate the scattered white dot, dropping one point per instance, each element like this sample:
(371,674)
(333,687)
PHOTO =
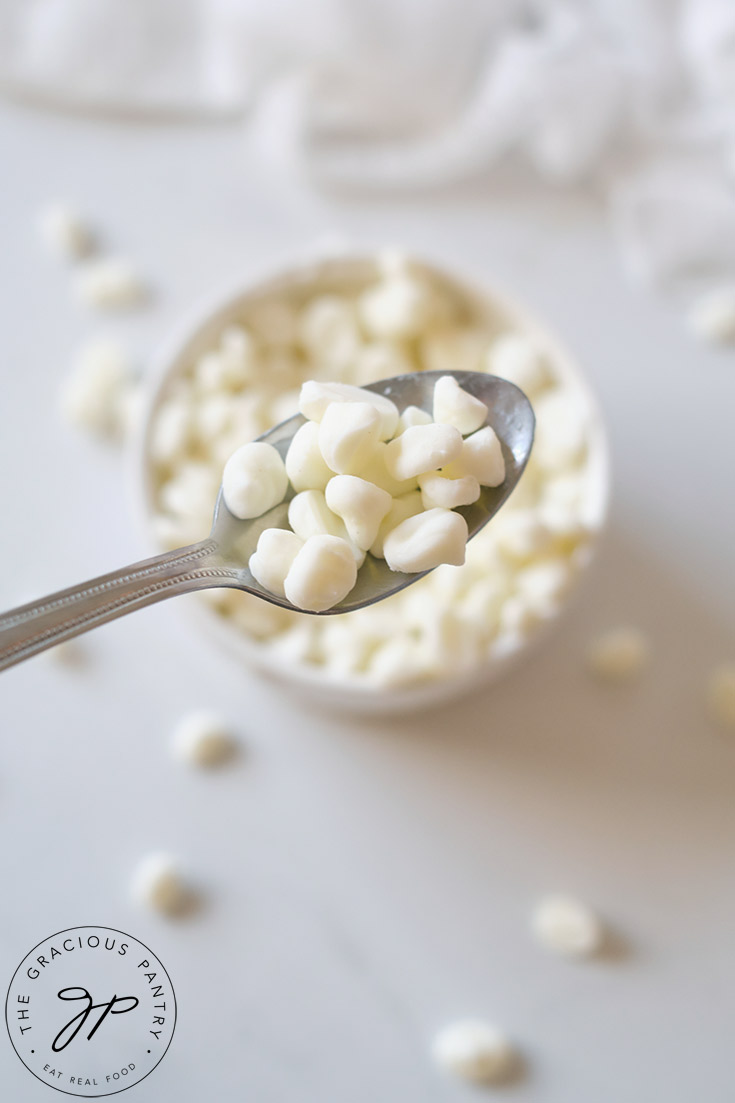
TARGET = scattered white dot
(474,1051)
(566,926)
(67,653)
(618,655)
(159,883)
(712,317)
(203,739)
(109,284)
(98,396)
(64,232)
(721,695)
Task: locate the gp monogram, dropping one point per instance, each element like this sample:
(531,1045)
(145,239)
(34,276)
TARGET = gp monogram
(90,1011)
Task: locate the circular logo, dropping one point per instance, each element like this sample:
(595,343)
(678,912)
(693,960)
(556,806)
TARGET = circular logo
(90,1011)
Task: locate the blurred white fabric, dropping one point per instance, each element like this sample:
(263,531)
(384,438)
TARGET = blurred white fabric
(637,94)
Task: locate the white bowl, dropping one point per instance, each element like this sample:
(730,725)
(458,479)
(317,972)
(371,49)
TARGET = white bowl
(344,273)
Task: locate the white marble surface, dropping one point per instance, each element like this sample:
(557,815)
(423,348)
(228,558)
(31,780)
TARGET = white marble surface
(369,882)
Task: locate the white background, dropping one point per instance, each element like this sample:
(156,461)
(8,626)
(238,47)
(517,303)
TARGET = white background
(368,882)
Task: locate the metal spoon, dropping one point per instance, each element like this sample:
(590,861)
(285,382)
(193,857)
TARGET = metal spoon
(222,559)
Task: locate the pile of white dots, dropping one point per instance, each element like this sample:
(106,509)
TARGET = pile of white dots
(367,481)
(517,569)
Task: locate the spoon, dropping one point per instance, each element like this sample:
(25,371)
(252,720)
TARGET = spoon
(222,559)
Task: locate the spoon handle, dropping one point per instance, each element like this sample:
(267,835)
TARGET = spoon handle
(40,624)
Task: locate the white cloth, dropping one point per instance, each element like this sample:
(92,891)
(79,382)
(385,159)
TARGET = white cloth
(409,93)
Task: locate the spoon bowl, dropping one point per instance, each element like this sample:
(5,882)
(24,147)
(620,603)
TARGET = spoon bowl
(510,415)
(222,559)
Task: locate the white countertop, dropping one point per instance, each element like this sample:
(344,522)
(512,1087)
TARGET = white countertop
(369,882)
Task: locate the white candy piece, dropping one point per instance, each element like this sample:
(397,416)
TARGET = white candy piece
(454,406)
(564,525)
(159,883)
(446,493)
(453,349)
(203,739)
(305,464)
(64,232)
(721,695)
(315,397)
(235,341)
(516,358)
(309,515)
(561,430)
(322,574)
(542,585)
(343,648)
(209,373)
(423,542)
(69,653)
(219,373)
(212,417)
(249,419)
(172,432)
(483,601)
(375,471)
(474,1051)
(398,307)
(619,655)
(361,505)
(271,561)
(408,505)
(481,457)
(401,661)
(517,617)
(456,643)
(522,535)
(254,480)
(380,360)
(109,284)
(191,492)
(565,491)
(712,318)
(329,332)
(422,448)
(95,397)
(412,415)
(229,367)
(348,434)
(259,618)
(566,926)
